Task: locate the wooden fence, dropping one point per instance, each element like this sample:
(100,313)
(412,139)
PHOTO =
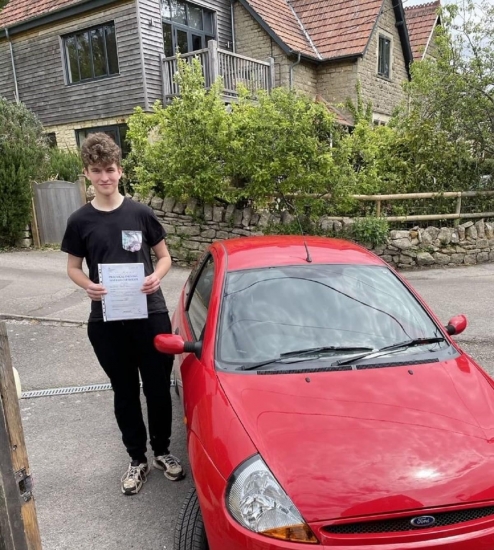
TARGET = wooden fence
(379,199)
(457,215)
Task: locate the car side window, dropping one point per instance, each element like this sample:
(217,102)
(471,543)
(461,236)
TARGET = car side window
(197,309)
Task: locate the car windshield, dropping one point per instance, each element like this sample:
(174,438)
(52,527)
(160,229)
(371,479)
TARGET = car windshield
(273,311)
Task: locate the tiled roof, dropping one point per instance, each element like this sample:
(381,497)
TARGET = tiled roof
(280,18)
(324,29)
(338,27)
(18,11)
(421,21)
(341,118)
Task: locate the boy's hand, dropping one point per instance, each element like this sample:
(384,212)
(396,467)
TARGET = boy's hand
(151,284)
(95,291)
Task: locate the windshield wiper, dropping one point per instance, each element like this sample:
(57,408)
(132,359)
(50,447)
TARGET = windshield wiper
(394,347)
(301,353)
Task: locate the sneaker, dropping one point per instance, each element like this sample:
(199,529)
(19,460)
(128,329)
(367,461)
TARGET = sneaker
(135,477)
(170,465)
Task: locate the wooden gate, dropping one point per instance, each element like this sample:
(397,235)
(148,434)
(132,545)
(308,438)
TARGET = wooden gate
(54,202)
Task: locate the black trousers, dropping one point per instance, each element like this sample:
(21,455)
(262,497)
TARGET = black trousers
(124,349)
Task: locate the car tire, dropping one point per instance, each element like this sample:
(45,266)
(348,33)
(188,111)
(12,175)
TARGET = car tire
(189,530)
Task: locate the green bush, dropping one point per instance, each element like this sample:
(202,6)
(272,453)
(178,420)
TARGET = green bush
(62,164)
(264,147)
(257,148)
(369,231)
(182,150)
(22,152)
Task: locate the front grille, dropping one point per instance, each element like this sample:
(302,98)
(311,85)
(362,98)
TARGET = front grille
(403,524)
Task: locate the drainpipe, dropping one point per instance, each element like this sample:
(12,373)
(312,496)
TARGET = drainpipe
(292,66)
(232,10)
(17,99)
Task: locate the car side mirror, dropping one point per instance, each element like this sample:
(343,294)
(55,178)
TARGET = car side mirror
(456,325)
(174,344)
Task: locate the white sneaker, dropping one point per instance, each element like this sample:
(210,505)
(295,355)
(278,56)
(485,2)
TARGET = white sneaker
(134,478)
(170,465)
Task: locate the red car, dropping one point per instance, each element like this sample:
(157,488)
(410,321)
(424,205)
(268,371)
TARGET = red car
(326,406)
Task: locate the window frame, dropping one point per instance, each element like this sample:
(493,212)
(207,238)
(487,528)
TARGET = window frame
(384,37)
(175,27)
(119,130)
(203,266)
(66,55)
(380,119)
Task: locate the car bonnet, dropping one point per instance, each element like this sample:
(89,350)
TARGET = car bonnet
(346,444)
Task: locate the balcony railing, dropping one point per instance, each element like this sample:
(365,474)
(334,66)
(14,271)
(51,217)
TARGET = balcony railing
(233,68)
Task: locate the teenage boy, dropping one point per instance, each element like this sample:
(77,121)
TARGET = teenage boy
(112,229)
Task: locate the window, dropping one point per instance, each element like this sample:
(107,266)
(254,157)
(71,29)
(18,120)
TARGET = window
(186,27)
(118,133)
(51,139)
(199,301)
(384,58)
(91,53)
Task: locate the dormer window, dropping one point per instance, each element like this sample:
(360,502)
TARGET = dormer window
(186,27)
(384,57)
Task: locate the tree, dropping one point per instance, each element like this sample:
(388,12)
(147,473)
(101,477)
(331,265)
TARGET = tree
(182,150)
(252,150)
(282,144)
(22,152)
(453,95)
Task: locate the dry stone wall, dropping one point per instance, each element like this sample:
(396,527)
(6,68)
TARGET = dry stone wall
(192,227)
(468,244)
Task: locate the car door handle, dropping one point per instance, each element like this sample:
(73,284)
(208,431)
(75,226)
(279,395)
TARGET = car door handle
(177,331)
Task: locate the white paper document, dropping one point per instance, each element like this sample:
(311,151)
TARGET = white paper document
(124,298)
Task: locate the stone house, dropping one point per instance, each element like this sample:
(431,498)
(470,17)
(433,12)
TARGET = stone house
(325,47)
(84,65)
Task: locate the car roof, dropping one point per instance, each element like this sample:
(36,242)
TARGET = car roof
(278,250)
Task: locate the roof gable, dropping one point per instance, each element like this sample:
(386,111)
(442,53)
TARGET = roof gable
(339,28)
(325,29)
(281,22)
(421,22)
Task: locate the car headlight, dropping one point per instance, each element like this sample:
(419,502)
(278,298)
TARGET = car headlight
(259,503)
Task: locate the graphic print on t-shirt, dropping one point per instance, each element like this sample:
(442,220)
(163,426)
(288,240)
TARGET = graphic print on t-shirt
(131,240)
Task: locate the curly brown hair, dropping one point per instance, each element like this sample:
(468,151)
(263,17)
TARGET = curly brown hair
(100,149)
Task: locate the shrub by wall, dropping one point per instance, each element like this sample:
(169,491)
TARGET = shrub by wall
(22,150)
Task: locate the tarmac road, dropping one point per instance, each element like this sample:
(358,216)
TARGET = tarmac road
(74,447)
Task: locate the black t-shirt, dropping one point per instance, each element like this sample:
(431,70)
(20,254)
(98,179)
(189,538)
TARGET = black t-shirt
(124,235)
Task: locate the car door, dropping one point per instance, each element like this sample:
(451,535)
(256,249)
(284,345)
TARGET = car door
(190,321)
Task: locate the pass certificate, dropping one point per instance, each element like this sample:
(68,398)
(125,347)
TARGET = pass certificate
(124,298)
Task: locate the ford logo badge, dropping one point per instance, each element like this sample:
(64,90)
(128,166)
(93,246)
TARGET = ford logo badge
(423,521)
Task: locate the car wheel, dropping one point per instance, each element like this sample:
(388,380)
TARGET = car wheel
(189,531)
